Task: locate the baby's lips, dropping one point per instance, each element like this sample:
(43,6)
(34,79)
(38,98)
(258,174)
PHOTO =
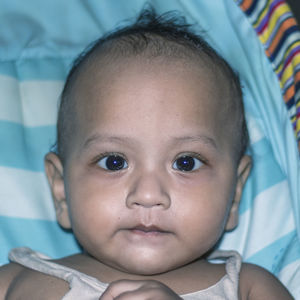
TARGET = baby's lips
(151,228)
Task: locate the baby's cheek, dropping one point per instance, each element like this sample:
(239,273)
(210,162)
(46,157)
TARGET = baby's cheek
(205,222)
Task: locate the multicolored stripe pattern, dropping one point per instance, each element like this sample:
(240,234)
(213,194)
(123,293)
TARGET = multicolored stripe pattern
(279,33)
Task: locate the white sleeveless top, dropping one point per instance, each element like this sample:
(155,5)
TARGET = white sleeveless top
(86,287)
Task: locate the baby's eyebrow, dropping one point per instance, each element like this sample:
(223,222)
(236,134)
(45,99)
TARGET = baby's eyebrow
(96,138)
(197,138)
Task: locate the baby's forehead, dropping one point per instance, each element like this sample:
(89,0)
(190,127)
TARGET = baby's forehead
(109,87)
(101,77)
(103,70)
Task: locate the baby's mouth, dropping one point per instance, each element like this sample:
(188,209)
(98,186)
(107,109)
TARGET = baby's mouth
(146,236)
(147,229)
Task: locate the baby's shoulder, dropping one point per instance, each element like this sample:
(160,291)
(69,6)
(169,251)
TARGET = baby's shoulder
(18,282)
(257,283)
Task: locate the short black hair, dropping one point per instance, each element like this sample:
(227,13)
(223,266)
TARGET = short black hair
(151,36)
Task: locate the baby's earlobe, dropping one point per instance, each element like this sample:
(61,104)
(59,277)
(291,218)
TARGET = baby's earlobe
(62,214)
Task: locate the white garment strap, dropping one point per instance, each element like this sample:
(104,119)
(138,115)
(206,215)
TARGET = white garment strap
(233,267)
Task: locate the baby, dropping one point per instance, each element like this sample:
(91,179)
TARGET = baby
(148,173)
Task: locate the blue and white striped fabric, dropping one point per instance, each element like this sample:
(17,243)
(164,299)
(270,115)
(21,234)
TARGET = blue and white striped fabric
(38,41)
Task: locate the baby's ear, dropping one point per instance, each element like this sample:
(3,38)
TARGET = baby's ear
(242,175)
(54,172)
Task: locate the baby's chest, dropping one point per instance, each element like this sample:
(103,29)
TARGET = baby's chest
(34,285)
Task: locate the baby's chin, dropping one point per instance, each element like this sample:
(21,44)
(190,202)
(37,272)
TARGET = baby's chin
(144,268)
(143,261)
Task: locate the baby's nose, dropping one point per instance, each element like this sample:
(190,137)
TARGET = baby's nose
(148,191)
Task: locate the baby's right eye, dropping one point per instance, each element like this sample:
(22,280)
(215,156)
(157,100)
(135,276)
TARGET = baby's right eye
(113,162)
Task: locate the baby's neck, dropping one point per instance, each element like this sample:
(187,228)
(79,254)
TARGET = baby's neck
(192,277)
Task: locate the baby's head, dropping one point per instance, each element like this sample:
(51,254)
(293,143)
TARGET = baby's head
(151,142)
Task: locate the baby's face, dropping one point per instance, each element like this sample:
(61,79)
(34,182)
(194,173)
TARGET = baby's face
(150,177)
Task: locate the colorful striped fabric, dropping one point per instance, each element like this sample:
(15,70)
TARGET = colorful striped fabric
(279,33)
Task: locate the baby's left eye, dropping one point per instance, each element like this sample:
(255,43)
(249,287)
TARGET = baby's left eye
(187,163)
